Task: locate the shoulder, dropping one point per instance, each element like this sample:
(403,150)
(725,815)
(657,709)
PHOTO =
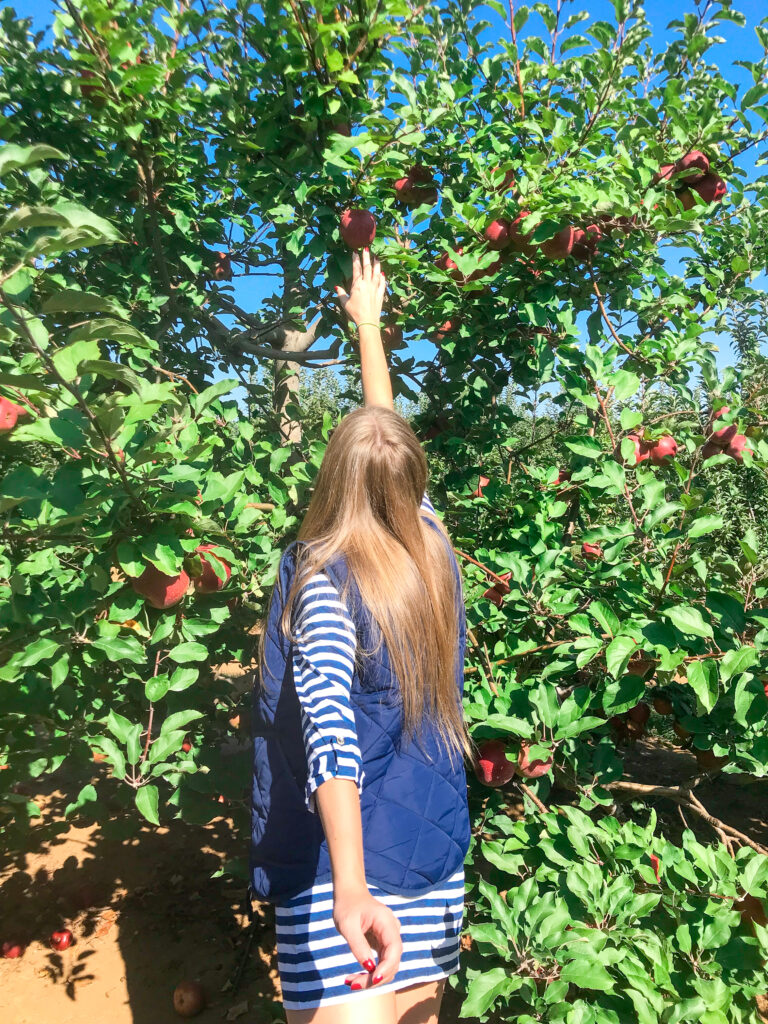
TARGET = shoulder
(426,505)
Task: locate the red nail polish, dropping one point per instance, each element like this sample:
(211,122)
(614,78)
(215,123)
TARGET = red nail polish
(369,965)
(355,985)
(377,979)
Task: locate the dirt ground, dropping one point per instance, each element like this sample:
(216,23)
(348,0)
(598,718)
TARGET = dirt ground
(146,913)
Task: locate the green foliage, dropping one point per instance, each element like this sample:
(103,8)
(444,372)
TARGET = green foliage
(155,153)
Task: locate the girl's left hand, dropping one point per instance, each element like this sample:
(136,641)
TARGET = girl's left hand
(364,301)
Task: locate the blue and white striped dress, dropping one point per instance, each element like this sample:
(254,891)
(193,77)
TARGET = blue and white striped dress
(312,957)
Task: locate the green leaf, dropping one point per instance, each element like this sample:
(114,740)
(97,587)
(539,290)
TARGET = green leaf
(737,661)
(585,446)
(68,300)
(605,616)
(688,620)
(618,653)
(703,680)
(20,158)
(119,726)
(705,524)
(189,651)
(147,801)
(180,719)
(485,989)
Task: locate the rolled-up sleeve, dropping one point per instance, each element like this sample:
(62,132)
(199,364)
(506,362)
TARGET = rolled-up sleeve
(323,667)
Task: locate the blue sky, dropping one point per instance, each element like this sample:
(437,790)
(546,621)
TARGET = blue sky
(740,44)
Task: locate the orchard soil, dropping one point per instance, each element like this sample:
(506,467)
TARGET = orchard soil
(146,913)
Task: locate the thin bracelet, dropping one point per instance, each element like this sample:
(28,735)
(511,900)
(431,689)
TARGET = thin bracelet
(367,323)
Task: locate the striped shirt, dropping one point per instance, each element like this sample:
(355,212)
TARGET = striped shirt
(323,667)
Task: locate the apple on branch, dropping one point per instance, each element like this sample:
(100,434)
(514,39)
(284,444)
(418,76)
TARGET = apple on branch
(532,768)
(493,767)
(160,590)
(208,582)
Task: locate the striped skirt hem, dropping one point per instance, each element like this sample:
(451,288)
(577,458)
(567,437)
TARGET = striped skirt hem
(313,959)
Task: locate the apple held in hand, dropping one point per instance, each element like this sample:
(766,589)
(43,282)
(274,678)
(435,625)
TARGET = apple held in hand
(189,998)
(208,582)
(159,590)
(493,767)
(531,769)
(61,940)
(358,227)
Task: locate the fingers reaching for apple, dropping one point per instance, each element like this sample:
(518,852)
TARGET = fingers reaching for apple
(366,295)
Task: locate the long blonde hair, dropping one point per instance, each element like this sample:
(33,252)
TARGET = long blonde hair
(366,507)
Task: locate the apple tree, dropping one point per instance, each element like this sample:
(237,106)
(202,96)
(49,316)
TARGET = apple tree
(573,216)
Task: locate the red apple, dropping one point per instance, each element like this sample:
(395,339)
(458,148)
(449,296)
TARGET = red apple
(663,450)
(493,767)
(561,244)
(411,194)
(662,706)
(519,240)
(738,445)
(531,769)
(61,939)
(708,759)
(489,271)
(92,87)
(592,552)
(447,328)
(752,910)
(642,449)
(710,449)
(222,268)
(421,174)
(208,582)
(507,182)
(13,950)
(445,263)
(664,173)
(693,166)
(358,227)
(186,746)
(478,493)
(639,714)
(711,188)
(499,234)
(9,414)
(498,589)
(392,336)
(724,435)
(562,478)
(189,998)
(159,590)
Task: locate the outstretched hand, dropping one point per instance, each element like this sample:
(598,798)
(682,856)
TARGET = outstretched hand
(365,298)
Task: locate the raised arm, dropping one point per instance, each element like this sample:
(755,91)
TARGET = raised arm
(363,307)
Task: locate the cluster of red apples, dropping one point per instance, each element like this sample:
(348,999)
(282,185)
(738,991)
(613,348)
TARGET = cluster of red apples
(163,591)
(494,768)
(689,175)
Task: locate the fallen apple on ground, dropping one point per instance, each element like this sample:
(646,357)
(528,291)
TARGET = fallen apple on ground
(61,940)
(189,998)
(12,950)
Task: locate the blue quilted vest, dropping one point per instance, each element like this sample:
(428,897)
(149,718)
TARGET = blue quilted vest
(415,818)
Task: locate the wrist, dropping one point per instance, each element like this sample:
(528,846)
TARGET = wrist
(349,889)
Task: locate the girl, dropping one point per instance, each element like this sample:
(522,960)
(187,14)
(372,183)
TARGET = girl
(359,810)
